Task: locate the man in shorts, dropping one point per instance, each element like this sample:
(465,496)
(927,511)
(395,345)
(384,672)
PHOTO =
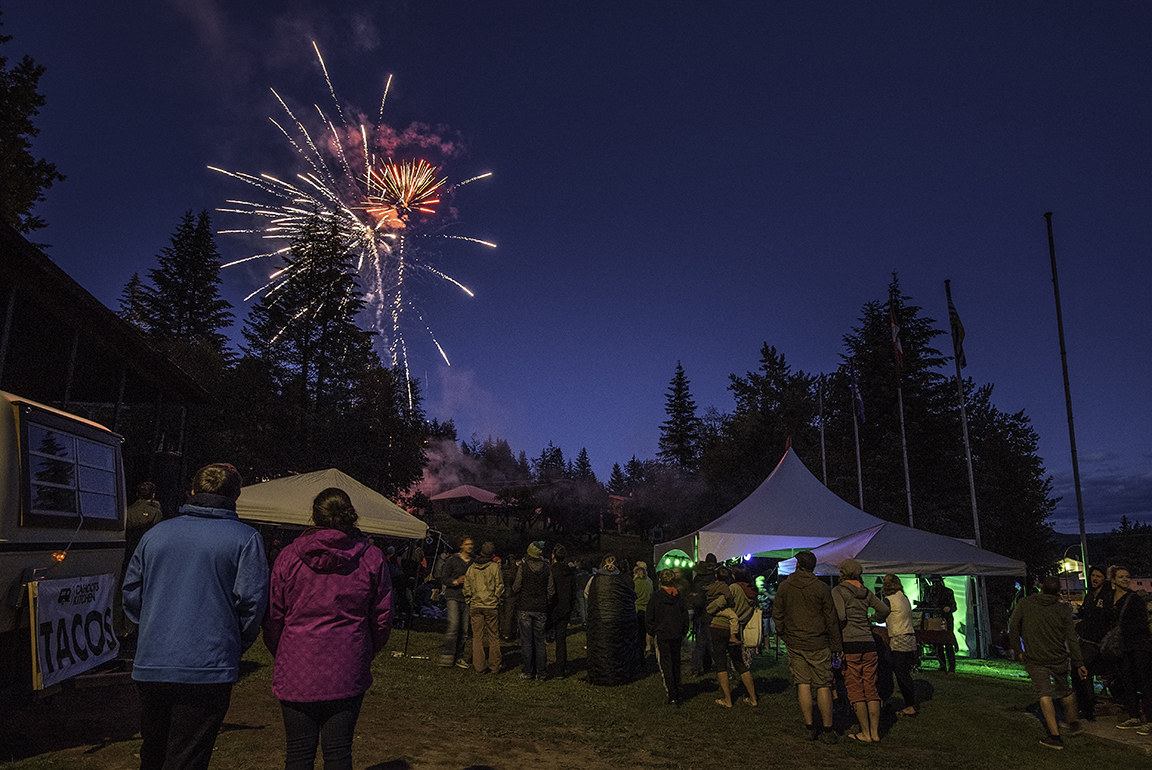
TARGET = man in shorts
(1044,624)
(806,619)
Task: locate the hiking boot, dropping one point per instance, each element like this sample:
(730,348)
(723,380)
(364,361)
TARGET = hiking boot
(1053,742)
(1130,724)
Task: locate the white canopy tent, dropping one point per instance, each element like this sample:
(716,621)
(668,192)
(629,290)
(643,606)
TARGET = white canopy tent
(289,501)
(790,511)
(894,548)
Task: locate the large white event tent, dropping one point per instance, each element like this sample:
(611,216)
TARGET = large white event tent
(890,547)
(289,501)
(791,511)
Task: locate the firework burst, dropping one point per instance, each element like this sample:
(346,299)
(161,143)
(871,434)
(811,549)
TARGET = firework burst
(387,202)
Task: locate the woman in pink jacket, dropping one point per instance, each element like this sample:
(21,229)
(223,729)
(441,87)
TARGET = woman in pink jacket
(330,614)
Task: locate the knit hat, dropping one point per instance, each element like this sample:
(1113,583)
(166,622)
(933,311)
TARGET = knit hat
(536,550)
(850,569)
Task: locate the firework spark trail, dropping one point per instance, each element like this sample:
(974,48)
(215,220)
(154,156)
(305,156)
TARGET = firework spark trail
(356,180)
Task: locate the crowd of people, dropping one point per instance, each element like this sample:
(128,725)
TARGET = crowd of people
(201,591)
(1109,639)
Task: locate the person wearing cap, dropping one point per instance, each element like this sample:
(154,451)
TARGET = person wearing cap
(805,618)
(484,591)
(534,589)
(853,601)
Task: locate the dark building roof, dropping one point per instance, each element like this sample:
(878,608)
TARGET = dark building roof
(52,316)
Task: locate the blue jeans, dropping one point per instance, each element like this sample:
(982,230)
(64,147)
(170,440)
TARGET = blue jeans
(533,649)
(330,722)
(457,615)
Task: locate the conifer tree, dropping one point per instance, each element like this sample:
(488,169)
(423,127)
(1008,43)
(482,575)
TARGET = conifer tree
(183,307)
(617,484)
(305,330)
(680,433)
(582,467)
(23,178)
(134,303)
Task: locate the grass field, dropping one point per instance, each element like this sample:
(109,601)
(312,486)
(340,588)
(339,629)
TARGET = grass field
(418,716)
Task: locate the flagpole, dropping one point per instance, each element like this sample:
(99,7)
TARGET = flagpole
(957,356)
(859,472)
(898,353)
(954,319)
(1068,402)
(904,449)
(857,418)
(820,398)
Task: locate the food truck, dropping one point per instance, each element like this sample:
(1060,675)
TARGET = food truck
(62,508)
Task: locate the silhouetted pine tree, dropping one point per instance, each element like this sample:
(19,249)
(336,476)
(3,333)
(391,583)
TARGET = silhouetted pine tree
(680,433)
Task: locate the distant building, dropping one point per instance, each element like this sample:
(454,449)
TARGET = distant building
(466,501)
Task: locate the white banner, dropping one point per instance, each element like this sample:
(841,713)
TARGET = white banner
(72,626)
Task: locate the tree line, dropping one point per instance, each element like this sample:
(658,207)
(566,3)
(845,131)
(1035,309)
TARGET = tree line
(306,391)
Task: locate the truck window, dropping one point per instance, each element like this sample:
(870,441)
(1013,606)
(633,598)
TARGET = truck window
(70,470)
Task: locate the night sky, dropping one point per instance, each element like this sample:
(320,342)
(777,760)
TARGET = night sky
(673,181)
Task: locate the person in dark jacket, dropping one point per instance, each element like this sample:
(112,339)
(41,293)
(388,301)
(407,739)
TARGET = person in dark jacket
(666,620)
(806,619)
(1092,622)
(564,581)
(613,657)
(1044,639)
(509,623)
(1131,614)
(452,580)
(942,600)
(329,616)
(534,589)
(705,574)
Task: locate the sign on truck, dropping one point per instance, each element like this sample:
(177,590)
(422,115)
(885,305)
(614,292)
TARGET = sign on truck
(62,509)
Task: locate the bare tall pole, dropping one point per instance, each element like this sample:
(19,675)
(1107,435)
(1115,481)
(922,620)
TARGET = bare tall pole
(982,627)
(898,355)
(823,458)
(859,471)
(904,449)
(1068,403)
(857,418)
